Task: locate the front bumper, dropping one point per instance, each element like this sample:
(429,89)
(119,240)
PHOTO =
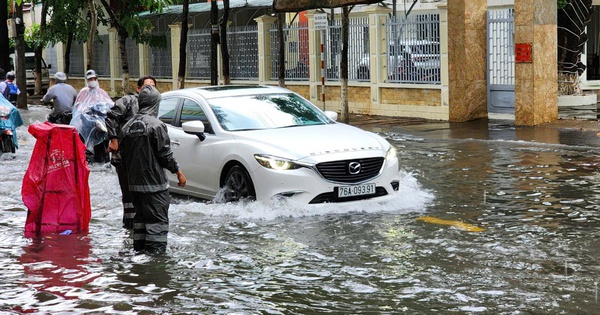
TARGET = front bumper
(306,186)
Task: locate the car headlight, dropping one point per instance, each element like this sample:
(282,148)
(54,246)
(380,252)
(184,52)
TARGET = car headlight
(276,163)
(391,153)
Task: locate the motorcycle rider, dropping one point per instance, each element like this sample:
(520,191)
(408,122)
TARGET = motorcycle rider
(147,152)
(62,95)
(11,96)
(125,108)
(92,97)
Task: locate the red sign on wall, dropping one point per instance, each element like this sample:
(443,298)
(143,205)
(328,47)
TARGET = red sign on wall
(523,52)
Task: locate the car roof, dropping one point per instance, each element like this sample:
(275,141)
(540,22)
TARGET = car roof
(208,92)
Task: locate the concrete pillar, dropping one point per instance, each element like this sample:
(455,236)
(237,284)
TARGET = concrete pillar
(144,59)
(265,63)
(60,57)
(536,80)
(378,48)
(314,57)
(175,43)
(467,59)
(444,53)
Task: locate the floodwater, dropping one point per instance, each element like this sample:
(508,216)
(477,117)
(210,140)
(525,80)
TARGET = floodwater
(490,219)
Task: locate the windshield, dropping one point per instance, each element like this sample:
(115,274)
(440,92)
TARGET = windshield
(253,112)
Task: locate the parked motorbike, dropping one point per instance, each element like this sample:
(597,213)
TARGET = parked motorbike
(7,143)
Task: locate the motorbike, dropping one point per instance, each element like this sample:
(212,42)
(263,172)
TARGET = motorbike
(7,143)
(10,120)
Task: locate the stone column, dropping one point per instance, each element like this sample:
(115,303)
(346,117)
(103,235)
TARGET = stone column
(378,50)
(175,43)
(536,81)
(467,59)
(144,59)
(264,47)
(314,56)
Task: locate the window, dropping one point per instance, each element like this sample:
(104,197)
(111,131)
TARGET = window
(166,110)
(191,111)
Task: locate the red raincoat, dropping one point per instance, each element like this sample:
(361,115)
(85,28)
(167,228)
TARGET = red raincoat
(55,187)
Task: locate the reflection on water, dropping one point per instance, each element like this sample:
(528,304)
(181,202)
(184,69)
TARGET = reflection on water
(488,220)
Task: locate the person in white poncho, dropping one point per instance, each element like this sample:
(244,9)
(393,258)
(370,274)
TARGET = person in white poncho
(89,113)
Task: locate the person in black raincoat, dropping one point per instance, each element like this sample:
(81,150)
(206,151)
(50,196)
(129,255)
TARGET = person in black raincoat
(146,149)
(125,108)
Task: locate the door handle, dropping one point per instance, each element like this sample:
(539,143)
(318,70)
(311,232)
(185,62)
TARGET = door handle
(175,143)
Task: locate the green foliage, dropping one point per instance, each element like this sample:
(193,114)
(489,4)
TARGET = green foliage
(561,4)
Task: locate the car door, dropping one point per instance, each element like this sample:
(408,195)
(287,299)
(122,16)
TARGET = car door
(196,158)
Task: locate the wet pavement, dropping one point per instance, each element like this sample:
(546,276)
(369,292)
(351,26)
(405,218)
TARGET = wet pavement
(490,219)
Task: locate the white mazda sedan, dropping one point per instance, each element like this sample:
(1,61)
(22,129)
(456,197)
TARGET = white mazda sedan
(262,142)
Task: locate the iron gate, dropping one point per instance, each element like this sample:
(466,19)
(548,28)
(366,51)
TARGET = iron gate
(500,61)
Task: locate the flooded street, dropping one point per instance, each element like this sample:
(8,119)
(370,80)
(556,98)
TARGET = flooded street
(489,219)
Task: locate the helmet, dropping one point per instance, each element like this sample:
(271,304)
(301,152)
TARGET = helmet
(90,74)
(10,75)
(60,76)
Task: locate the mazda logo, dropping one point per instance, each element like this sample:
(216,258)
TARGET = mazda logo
(354,168)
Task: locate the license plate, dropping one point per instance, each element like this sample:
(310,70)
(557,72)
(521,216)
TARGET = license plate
(356,190)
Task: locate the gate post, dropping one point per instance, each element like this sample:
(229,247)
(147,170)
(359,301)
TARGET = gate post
(536,78)
(467,60)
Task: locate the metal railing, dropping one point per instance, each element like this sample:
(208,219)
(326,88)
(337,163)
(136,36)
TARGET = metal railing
(102,56)
(160,60)
(296,54)
(358,49)
(76,66)
(242,43)
(414,49)
(198,56)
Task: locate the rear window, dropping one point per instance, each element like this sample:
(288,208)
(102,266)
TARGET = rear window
(29,63)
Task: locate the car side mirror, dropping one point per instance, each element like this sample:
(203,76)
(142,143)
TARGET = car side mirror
(49,66)
(194,127)
(331,115)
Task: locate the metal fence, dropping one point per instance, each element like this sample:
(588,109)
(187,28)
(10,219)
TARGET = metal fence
(51,59)
(414,49)
(296,54)
(160,60)
(198,56)
(500,61)
(76,66)
(102,56)
(501,47)
(242,43)
(358,49)
(133,58)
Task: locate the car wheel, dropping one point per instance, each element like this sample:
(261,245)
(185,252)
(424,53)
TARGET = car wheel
(8,145)
(238,185)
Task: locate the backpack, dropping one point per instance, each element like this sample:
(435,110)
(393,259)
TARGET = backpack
(11,92)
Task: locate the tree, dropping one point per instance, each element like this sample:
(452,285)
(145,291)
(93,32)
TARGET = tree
(67,25)
(4,42)
(344,64)
(214,42)
(91,34)
(301,5)
(183,45)
(20,55)
(224,47)
(124,17)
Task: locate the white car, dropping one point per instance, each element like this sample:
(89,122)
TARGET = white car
(262,142)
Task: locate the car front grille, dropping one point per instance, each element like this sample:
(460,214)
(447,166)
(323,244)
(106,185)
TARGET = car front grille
(351,171)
